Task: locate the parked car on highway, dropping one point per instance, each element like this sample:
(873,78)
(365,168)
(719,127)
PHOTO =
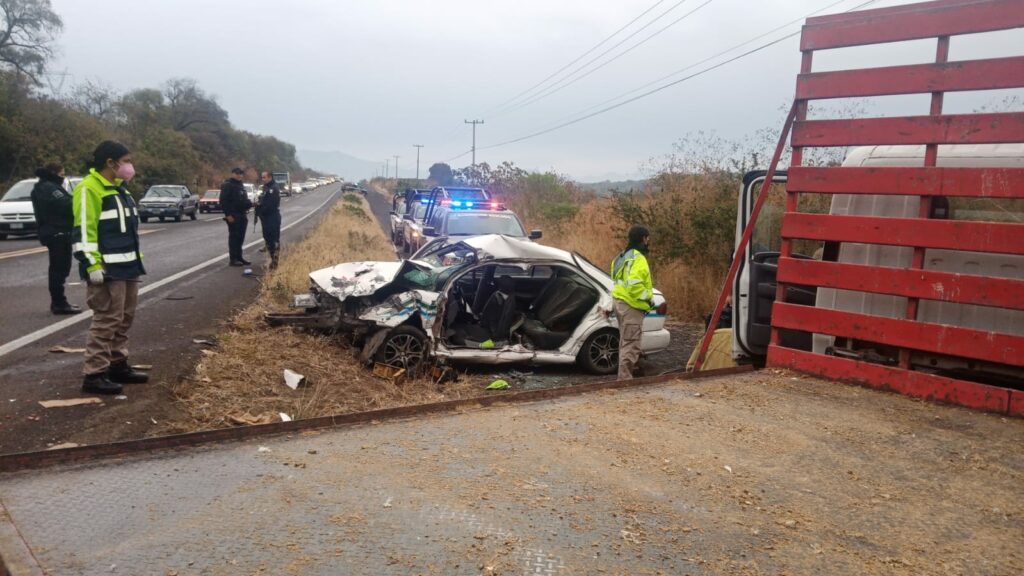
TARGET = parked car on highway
(16,215)
(487,300)
(251,191)
(493,218)
(168,201)
(210,201)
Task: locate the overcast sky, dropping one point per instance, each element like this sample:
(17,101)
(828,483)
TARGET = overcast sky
(372,78)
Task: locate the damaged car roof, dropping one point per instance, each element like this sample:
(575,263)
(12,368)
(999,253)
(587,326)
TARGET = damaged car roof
(498,247)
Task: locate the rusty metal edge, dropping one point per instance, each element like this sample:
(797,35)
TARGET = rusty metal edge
(42,459)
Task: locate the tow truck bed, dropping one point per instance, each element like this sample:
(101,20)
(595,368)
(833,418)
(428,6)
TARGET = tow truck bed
(763,472)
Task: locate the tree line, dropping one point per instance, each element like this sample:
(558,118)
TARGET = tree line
(178,133)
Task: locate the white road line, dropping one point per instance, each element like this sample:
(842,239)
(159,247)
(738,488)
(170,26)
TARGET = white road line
(72,320)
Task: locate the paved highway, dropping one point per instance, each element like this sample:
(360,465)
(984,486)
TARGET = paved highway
(188,290)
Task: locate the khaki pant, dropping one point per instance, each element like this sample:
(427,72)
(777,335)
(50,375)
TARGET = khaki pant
(113,306)
(631,327)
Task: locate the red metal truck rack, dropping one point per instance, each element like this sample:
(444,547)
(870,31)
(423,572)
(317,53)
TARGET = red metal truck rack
(941,20)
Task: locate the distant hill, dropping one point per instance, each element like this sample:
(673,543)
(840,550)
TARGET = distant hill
(605,188)
(335,162)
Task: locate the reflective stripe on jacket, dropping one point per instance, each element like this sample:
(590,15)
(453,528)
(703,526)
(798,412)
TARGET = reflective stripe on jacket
(632,277)
(106,232)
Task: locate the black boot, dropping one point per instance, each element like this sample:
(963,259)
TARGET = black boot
(65,309)
(122,373)
(100,384)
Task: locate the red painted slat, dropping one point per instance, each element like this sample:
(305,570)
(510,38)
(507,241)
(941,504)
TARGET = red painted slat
(997,237)
(927,20)
(914,79)
(909,383)
(1016,403)
(925,284)
(998,128)
(848,17)
(972,182)
(924,336)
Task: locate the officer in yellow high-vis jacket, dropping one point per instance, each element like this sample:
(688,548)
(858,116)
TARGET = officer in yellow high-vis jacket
(106,236)
(633,292)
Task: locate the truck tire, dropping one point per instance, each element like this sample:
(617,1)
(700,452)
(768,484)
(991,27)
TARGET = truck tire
(600,353)
(404,347)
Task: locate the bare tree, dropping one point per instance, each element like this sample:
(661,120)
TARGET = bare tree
(27,29)
(96,99)
(191,106)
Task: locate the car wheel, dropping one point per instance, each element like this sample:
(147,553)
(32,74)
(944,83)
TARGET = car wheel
(144,219)
(600,353)
(161,218)
(177,217)
(3,236)
(194,214)
(405,347)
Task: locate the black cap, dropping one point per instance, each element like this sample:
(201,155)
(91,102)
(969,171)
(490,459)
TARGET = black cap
(237,170)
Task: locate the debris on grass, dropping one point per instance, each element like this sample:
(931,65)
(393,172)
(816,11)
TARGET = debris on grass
(64,403)
(293,379)
(63,445)
(498,385)
(285,417)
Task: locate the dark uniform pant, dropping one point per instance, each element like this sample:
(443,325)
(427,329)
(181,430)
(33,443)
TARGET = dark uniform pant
(59,248)
(272,231)
(236,236)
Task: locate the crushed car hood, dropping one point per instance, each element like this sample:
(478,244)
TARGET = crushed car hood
(355,278)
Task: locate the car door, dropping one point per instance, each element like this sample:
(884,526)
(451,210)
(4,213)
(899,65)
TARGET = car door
(189,201)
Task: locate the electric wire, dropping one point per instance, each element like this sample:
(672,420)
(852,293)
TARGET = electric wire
(654,90)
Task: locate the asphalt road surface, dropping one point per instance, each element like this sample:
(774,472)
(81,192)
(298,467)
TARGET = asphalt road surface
(188,290)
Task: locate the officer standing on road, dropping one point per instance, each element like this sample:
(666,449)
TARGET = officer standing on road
(235,204)
(106,245)
(269,213)
(633,292)
(52,206)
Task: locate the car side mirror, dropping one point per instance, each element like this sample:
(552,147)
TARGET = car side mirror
(536,234)
(429,231)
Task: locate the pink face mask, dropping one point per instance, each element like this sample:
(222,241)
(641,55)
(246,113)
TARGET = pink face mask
(126,171)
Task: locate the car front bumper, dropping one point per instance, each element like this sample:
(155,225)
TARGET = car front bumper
(151,211)
(18,228)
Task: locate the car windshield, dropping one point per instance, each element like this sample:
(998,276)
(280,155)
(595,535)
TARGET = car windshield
(20,191)
(418,210)
(441,264)
(163,192)
(214,194)
(477,223)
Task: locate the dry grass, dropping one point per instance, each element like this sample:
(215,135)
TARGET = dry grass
(241,380)
(597,233)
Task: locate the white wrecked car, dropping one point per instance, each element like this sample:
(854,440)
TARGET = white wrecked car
(486,300)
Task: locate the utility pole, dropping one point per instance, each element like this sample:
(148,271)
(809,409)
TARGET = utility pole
(387,168)
(474,123)
(418,146)
(396,168)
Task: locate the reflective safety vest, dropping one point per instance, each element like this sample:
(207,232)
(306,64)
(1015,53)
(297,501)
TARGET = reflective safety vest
(633,284)
(106,232)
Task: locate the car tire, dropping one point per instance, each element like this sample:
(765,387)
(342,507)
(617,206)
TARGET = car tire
(404,347)
(194,214)
(161,218)
(144,219)
(3,236)
(178,216)
(600,352)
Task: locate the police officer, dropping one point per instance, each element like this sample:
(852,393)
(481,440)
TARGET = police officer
(52,206)
(235,203)
(632,292)
(269,213)
(106,236)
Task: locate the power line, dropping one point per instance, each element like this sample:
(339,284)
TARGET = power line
(602,54)
(556,88)
(655,90)
(578,58)
(712,57)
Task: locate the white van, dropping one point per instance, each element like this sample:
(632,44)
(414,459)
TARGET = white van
(754,289)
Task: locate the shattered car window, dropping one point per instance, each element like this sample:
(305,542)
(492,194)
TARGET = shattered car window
(442,264)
